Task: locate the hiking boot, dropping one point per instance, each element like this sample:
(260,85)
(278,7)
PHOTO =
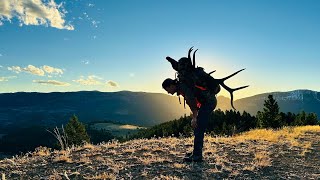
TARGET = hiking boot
(193,158)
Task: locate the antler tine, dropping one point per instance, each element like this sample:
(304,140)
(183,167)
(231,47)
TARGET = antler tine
(223,79)
(194,58)
(212,72)
(231,90)
(190,50)
(242,87)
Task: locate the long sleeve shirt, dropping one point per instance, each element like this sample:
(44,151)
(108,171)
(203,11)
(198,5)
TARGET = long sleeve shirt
(194,96)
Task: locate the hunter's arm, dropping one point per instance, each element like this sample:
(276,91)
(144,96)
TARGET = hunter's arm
(191,100)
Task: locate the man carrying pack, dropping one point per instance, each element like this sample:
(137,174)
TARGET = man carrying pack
(201,103)
(199,89)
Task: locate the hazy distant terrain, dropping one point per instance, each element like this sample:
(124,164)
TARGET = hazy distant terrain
(54,109)
(117,129)
(291,101)
(135,108)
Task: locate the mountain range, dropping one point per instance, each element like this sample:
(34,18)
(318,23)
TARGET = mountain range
(24,109)
(291,101)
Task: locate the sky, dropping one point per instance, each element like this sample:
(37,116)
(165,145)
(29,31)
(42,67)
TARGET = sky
(115,45)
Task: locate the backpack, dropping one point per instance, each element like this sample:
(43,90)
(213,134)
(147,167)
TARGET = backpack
(196,77)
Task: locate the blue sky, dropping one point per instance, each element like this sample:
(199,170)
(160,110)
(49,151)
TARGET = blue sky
(117,45)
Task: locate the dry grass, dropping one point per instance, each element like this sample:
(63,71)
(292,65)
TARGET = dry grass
(167,177)
(284,134)
(213,170)
(249,167)
(85,160)
(89,146)
(235,173)
(225,156)
(147,154)
(178,165)
(114,152)
(102,176)
(262,159)
(100,159)
(110,145)
(306,147)
(63,156)
(42,151)
(129,150)
(209,151)
(158,149)
(152,159)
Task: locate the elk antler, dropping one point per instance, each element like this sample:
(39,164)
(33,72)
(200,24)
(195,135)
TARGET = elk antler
(230,90)
(190,50)
(194,58)
(223,79)
(212,72)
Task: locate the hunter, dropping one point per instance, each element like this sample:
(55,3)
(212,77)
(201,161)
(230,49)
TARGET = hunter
(201,103)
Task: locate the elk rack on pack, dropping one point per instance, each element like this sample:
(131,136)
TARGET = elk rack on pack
(186,67)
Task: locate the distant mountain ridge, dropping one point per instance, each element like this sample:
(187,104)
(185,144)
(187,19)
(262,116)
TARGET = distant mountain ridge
(138,108)
(51,109)
(291,101)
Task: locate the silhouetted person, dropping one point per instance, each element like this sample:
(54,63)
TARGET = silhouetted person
(202,103)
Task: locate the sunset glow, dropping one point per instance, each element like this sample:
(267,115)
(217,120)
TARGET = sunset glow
(108,46)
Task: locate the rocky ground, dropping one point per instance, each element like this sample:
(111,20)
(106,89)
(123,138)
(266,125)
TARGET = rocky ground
(291,154)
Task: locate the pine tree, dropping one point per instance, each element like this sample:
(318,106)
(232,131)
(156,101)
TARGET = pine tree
(260,119)
(270,116)
(76,131)
(312,119)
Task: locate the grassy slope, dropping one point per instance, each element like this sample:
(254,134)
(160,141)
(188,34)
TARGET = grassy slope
(289,152)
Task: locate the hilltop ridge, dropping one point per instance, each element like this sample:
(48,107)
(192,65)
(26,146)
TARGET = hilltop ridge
(289,153)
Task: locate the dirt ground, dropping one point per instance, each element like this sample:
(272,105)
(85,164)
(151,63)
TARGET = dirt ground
(162,158)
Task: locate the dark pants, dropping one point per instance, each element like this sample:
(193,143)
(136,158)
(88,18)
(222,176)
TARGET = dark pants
(202,121)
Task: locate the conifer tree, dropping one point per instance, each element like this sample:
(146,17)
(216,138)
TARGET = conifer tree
(312,119)
(270,116)
(76,131)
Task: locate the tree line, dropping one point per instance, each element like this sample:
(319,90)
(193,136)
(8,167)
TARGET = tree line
(231,122)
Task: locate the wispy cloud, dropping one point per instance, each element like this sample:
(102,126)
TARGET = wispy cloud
(86,62)
(34,12)
(95,80)
(52,70)
(0,53)
(15,69)
(51,82)
(95,23)
(90,80)
(37,71)
(112,84)
(34,70)
(7,78)
(85,17)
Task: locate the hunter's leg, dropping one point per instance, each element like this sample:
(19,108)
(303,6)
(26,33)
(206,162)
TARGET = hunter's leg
(202,121)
